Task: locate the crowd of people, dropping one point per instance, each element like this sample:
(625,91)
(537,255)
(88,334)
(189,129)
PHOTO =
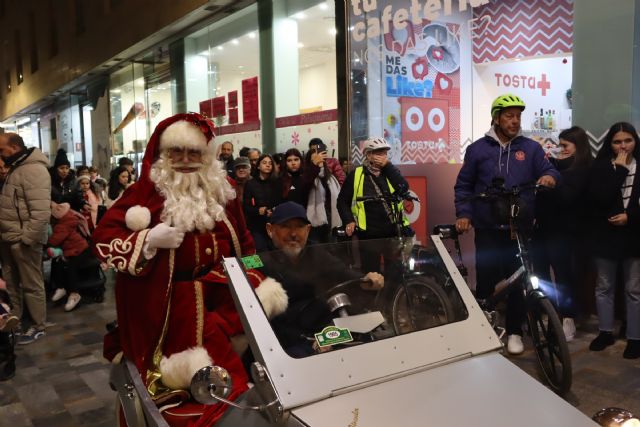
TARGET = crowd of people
(46,212)
(590,203)
(187,210)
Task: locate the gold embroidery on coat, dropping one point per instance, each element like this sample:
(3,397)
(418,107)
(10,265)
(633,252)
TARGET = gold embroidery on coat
(199,312)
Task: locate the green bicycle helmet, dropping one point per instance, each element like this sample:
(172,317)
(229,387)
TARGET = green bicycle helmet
(505,101)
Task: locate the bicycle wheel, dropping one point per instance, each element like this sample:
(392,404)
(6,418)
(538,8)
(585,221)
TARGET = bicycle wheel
(550,344)
(426,306)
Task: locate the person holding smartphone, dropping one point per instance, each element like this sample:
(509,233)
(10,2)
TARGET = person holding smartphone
(613,195)
(322,201)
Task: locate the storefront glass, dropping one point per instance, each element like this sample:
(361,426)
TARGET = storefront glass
(305,53)
(222,69)
(223,75)
(424,74)
(140,97)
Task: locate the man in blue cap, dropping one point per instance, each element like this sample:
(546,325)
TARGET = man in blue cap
(304,272)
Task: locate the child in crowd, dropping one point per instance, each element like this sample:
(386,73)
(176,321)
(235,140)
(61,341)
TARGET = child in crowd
(85,187)
(68,239)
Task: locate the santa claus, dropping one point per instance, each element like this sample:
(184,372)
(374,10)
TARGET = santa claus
(166,237)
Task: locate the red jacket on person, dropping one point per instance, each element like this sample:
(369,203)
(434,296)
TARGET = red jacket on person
(67,235)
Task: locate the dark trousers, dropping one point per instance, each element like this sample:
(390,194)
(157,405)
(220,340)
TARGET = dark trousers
(556,251)
(496,259)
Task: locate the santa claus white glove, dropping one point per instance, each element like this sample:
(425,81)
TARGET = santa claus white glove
(162,236)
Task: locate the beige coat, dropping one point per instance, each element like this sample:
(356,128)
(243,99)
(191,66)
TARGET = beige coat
(25,201)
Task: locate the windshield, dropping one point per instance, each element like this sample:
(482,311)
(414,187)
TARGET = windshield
(353,293)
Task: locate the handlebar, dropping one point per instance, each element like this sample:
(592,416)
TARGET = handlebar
(395,197)
(494,191)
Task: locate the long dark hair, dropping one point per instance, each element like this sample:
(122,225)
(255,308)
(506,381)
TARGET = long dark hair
(114,183)
(578,137)
(256,172)
(606,151)
(292,152)
(285,173)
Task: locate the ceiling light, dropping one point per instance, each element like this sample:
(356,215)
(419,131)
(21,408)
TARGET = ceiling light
(324,6)
(300,45)
(252,35)
(241,66)
(220,47)
(333,31)
(235,41)
(300,15)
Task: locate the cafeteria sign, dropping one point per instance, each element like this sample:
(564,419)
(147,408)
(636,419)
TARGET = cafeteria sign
(399,18)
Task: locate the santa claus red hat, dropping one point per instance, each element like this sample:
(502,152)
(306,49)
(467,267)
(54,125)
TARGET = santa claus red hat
(188,130)
(181,130)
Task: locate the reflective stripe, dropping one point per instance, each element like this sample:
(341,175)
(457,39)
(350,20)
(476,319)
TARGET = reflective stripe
(357,208)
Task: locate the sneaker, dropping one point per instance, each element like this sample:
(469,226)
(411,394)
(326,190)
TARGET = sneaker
(632,350)
(602,341)
(30,336)
(514,344)
(569,328)
(72,301)
(8,322)
(58,294)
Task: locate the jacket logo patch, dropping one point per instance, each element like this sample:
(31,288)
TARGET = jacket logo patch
(520,155)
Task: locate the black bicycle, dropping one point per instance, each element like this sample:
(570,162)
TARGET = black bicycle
(544,325)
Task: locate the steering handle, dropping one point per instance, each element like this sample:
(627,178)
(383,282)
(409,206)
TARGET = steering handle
(344,284)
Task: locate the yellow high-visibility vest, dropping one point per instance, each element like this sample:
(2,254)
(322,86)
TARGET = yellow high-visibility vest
(357,208)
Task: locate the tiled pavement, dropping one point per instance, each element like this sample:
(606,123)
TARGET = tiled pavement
(62,380)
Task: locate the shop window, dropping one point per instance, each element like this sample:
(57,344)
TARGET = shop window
(425,79)
(53,31)
(18,49)
(140,96)
(222,69)
(305,73)
(33,42)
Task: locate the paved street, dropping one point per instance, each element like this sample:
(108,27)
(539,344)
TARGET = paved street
(62,380)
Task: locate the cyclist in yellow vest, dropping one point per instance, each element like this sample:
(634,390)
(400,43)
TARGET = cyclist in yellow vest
(372,220)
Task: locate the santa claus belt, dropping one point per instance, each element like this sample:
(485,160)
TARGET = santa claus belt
(188,276)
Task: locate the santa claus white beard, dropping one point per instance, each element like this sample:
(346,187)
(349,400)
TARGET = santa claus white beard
(194,200)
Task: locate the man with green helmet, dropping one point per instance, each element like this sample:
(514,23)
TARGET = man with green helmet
(503,155)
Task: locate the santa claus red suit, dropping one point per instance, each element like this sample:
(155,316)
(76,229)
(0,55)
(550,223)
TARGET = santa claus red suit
(166,237)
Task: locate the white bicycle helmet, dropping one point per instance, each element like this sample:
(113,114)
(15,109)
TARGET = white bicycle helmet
(375,143)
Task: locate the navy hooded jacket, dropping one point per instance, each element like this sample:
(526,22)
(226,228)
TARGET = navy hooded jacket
(521,162)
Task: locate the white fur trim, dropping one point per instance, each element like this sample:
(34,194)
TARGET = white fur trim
(273,297)
(137,218)
(183,134)
(178,369)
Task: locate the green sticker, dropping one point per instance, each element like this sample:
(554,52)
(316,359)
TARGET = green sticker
(252,261)
(332,335)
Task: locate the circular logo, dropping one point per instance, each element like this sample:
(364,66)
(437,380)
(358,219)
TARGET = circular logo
(409,119)
(520,155)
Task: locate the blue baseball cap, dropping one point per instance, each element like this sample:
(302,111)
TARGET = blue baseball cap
(286,211)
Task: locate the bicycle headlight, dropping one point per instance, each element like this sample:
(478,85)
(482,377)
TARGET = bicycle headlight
(535,282)
(616,417)
(412,263)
